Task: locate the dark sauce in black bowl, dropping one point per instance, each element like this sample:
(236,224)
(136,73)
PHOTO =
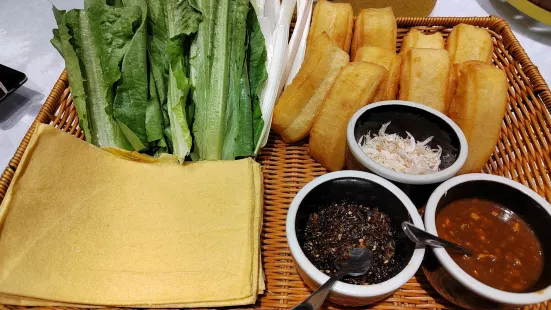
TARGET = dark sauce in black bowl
(331,233)
(353,207)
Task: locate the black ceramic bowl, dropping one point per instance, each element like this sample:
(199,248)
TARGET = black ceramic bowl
(421,122)
(367,189)
(455,284)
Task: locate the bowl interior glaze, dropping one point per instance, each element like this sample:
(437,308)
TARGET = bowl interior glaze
(419,123)
(361,191)
(522,205)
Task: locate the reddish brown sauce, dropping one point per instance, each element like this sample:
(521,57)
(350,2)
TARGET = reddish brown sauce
(506,253)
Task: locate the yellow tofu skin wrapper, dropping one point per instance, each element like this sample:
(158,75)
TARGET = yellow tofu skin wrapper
(82,226)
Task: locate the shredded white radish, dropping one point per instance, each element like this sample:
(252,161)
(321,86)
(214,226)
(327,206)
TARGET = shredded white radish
(401,154)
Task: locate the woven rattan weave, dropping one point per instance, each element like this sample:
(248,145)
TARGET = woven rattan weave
(522,154)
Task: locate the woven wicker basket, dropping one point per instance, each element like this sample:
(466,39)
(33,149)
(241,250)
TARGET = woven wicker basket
(522,154)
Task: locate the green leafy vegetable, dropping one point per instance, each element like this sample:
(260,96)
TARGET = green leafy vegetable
(146,74)
(223,69)
(131,98)
(158,66)
(211,62)
(170,23)
(238,114)
(258,75)
(99,37)
(115,3)
(243,144)
(200,60)
(61,42)
(154,123)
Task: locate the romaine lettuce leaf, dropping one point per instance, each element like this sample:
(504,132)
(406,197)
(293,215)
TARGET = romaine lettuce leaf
(201,62)
(154,124)
(182,20)
(99,36)
(223,69)
(257,57)
(170,22)
(210,110)
(158,67)
(142,79)
(61,41)
(131,98)
(237,130)
(243,145)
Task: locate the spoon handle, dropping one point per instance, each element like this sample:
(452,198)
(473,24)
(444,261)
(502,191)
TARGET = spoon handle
(315,301)
(420,236)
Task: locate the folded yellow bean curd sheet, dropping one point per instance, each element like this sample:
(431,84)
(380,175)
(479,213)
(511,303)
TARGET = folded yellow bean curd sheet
(83,227)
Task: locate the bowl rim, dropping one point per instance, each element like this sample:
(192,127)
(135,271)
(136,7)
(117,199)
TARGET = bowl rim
(454,270)
(401,177)
(373,290)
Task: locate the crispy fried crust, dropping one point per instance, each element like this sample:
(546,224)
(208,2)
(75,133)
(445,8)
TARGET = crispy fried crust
(478,108)
(374,27)
(388,90)
(467,42)
(337,19)
(296,108)
(416,39)
(354,87)
(425,78)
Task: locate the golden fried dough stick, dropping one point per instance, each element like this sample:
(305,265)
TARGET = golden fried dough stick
(388,90)
(478,108)
(374,27)
(337,19)
(416,39)
(425,78)
(354,87)
(467,42)
(296,108)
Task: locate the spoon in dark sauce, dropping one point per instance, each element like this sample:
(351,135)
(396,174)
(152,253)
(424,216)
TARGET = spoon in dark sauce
(356,264)
(420,236)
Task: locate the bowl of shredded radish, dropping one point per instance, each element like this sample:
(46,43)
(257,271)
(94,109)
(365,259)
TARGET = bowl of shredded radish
(405,142)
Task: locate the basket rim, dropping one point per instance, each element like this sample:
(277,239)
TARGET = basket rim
(536,84)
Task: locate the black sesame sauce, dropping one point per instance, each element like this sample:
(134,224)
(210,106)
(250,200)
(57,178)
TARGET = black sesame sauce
(331,233)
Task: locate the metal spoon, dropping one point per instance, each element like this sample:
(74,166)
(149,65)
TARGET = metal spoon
(420,236)
(357,264)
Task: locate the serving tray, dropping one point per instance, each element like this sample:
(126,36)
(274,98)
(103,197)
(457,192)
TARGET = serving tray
(522,154)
